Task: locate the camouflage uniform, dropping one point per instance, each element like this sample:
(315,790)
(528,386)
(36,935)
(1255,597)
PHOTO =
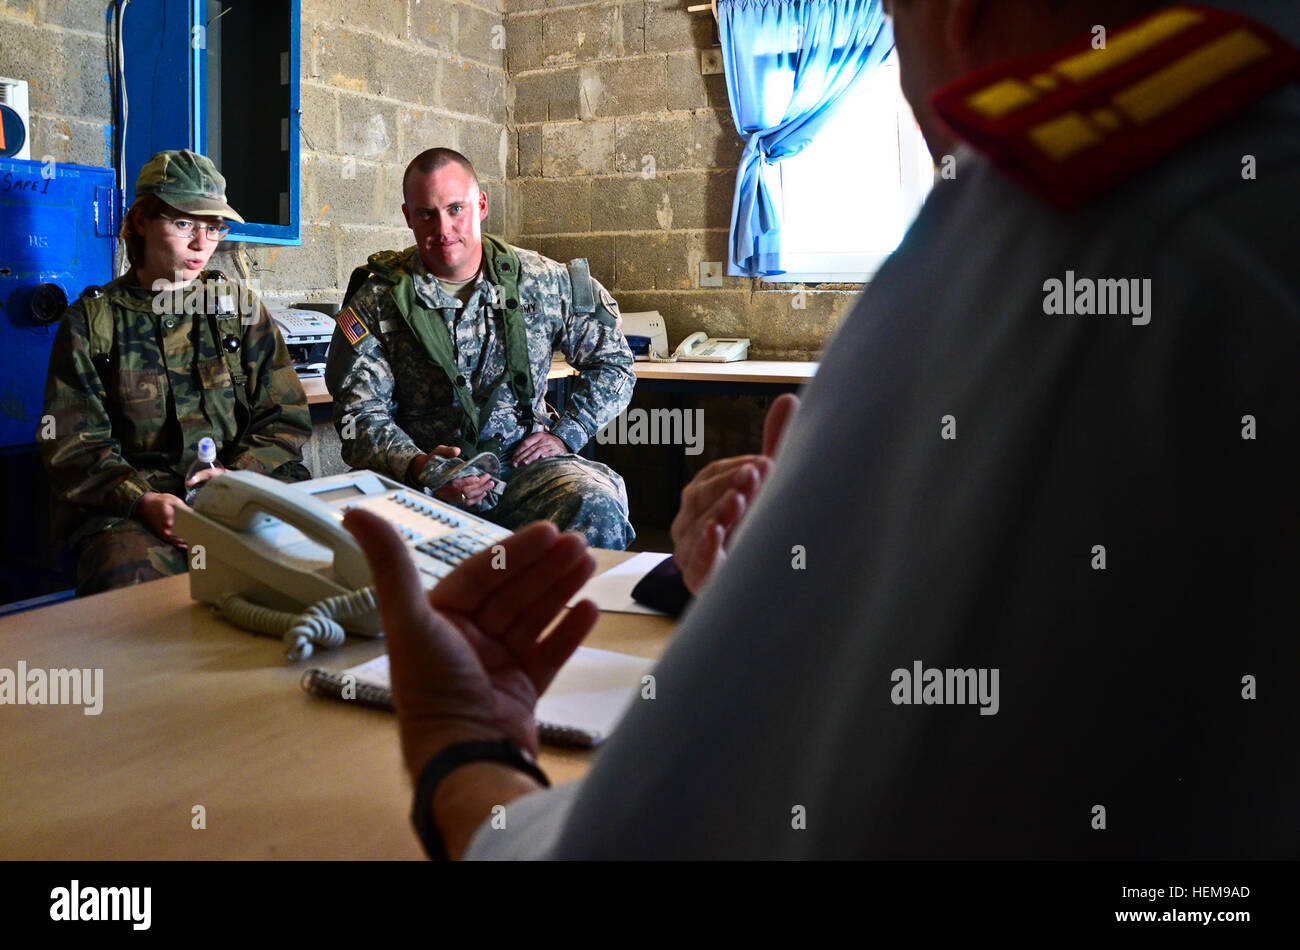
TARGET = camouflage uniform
(393,403)
(132,423)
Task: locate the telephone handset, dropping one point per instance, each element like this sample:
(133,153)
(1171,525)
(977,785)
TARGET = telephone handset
(701,348)
(246,501)
(275,557)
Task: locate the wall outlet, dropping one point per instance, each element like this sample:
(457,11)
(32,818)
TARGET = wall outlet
(710,273)
(710,62)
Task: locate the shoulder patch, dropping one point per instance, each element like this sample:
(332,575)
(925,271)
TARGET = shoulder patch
(1072,124)
(352,326)
(608,300)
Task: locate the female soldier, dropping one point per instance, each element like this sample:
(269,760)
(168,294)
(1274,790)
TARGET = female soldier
(146,366)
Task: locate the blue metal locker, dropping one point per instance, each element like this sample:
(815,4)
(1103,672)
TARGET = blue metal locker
(57,227)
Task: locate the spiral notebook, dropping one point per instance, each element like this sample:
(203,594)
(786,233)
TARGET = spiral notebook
(580,709)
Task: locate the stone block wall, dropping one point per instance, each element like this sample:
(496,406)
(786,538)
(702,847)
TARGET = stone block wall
(623,152)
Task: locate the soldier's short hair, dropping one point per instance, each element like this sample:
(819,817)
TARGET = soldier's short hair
(432,159)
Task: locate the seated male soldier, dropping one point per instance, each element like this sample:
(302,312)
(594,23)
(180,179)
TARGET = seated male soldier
(438,366)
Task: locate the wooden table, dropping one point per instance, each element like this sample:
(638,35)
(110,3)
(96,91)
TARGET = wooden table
(200,713)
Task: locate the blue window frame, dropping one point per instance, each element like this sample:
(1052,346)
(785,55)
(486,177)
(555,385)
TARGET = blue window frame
(179,94)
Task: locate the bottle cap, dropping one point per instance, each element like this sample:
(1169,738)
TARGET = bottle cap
(207,450)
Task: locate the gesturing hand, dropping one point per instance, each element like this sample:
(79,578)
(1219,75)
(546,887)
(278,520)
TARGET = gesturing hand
(716,500)
(468,660)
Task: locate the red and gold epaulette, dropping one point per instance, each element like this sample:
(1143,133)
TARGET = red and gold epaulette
(1071,124)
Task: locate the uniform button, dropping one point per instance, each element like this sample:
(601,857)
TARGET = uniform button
(231,343)
(511,303)
(169,323)
(460,380)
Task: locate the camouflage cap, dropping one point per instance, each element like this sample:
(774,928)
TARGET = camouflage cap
(188,182)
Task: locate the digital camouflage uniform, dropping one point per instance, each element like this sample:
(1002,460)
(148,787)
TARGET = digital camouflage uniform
(128,421)
(393,403)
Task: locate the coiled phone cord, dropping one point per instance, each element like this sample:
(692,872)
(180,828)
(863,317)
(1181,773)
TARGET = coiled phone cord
(320,624)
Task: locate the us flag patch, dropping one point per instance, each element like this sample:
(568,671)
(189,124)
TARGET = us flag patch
(352,328)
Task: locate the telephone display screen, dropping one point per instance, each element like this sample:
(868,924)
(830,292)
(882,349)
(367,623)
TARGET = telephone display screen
(335,494)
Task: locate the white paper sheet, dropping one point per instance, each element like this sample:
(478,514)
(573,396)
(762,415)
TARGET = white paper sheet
(612,591)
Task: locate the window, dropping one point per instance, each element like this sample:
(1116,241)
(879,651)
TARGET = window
(849,197)
(221,78)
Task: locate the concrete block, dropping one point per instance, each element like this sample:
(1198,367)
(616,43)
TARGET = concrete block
(667,139)
(495,222)
(347,59)
(363,198)
(419,129)
(411,75)
(688,89)
(367,128)
(631,204)
(633,16)
(668,27)
(320,117)
(481,36)
(546,206)
(356,244)
(545,96)
(78,141)
(623,87)
(523,42)
(597,249)
(717,143)
(530,150)
(472,89)
(484,144)
(581,35)
(659,261)
(701,199)
(778,327)
(379,16)
(577,148)
(314,265)
(433,24)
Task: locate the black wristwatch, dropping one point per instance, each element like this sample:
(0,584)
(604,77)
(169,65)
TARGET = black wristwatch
(453,757)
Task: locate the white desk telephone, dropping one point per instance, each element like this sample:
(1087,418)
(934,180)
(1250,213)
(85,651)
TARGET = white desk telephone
(649,329)
(701,348)
(275,557)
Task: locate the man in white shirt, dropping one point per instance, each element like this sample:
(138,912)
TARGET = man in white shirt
(1049,612)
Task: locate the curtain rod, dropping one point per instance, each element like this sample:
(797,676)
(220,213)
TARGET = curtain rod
(701,7)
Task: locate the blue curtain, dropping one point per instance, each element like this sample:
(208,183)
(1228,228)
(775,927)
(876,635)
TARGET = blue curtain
(788,64)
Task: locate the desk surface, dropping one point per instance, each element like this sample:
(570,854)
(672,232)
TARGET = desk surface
(788,372)
(196,712)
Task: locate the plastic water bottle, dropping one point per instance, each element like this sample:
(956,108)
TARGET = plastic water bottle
(207,460)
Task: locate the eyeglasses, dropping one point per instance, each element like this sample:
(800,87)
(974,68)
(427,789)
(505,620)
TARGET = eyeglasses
(186,228)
